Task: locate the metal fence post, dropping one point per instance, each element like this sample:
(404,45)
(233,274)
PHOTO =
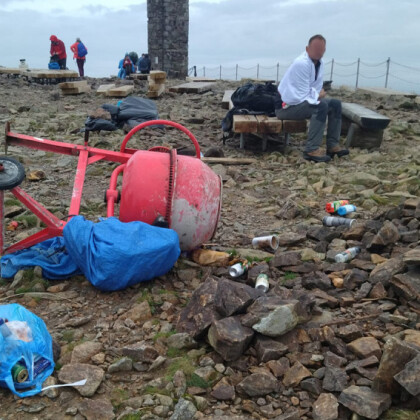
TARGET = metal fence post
(195,71)
(387,71)
(236,74)
(332,69)
(258,71)
(277,76)
(357,73)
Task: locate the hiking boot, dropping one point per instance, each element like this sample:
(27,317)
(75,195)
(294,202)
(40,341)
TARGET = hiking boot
(317,155)
(337,150)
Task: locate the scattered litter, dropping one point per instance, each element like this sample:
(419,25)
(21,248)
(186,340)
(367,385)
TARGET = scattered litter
(347,255)
(210,257)
(262,283)
(337,221)
(333,206)
(348,208)
(238,269)
(271,241)
(26,356)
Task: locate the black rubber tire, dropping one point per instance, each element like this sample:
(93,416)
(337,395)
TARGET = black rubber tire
(13,173)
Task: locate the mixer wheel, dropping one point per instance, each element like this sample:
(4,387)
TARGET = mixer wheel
(12,173)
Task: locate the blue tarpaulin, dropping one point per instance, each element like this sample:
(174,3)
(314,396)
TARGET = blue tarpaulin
(114,255)
(111,254)
(51,255)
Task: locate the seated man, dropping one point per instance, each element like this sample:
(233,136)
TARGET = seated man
(303,97)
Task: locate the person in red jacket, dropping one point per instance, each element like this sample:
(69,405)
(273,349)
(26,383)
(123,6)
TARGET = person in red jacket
(59,50)
(77,54)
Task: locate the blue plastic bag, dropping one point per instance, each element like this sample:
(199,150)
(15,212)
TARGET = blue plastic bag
(114,255)
(14,350)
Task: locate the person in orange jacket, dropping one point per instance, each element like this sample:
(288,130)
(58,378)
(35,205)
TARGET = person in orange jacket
(79,53)
(58,49)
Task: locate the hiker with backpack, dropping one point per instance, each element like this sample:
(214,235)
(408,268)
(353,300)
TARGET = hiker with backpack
(303,97)
(79,53)
(58,52)
(126,67)
(144,65)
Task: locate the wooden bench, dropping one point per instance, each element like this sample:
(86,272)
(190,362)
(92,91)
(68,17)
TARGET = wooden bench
(365,127)
(262,125)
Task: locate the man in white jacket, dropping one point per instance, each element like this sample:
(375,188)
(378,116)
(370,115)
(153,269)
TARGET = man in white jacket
(303,97)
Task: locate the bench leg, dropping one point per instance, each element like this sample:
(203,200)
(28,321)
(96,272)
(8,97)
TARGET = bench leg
(350,134)
(264,142)
(242,141)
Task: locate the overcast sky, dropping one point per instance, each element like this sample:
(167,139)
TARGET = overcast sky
(221,32)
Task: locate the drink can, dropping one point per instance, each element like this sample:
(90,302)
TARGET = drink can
(333,206)
(262,282)
(348,208)
(19,373)
(271,241)
(238,269)
(337,221)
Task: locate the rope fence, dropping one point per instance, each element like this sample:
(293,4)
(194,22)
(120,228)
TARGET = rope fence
(357,70)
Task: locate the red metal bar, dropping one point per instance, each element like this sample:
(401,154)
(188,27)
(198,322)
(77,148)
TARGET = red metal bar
(63,148)
(79,180)
(161,122)
(1,221)
(40,211)
(40,236)
(112,193)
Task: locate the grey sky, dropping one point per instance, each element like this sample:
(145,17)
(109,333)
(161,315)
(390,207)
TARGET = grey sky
(221,32)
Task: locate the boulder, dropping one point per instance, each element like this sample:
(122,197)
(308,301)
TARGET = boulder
(258,385)
(365,402)
(233,297)
(200,312)
(229,337)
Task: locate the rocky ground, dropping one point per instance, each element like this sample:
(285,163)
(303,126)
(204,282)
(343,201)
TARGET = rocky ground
(344,340)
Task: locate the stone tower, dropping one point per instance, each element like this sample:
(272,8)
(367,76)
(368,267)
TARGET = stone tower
(168,36)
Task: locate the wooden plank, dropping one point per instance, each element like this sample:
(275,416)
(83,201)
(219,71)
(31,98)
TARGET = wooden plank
(76,91)
(138,76)
(226,99)
(157,75)
(294,126)
(250,79)
(269,125)
(386,92)
(154,86)
(51,74)
(192,87)
(365,117)
(103,89)
(120,91)
(200,79)
(10,70)
(229,161)
(245,124)
(72,85)
(156,93)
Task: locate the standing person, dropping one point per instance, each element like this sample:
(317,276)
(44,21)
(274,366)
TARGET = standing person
(303,97)
(79,53)
(58,49)
(144,64)
(127,65)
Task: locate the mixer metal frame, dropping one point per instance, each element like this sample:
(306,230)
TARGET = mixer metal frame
(87,156)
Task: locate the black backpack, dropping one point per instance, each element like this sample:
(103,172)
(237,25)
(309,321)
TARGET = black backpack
(254,99)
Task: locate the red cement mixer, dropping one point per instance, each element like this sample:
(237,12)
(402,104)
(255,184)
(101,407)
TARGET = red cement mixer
(156,183)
